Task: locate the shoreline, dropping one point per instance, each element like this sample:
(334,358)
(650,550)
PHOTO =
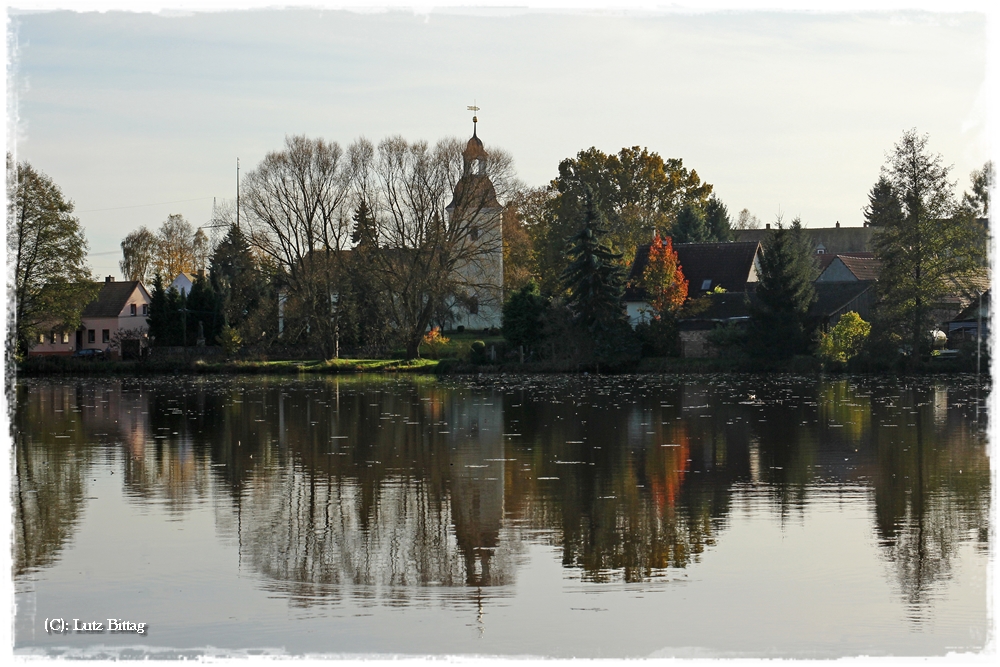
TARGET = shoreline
(41,367)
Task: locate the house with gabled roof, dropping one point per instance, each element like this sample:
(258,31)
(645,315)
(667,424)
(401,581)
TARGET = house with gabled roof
(706,266)
(849,267)
(119,307)
(822,240)
(184,282)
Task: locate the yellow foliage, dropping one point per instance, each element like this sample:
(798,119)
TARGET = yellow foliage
(434,342)
(845,339)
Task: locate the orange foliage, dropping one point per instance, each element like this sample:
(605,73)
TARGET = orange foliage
(666,482)
(663,279)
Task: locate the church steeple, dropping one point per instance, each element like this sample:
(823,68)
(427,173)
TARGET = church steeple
(475,119)
(474,156)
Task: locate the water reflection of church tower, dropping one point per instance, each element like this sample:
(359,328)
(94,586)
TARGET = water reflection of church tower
(477,216)
(477,489)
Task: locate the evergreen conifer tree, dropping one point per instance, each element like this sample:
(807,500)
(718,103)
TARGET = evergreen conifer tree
(779,317)
(157,320)
(595,282)
(690,226)
(236,280)
(884,208)
(368,315)
(593,278)
(522,316)
(717,221)
(203,307)
(364,232)
(930,246)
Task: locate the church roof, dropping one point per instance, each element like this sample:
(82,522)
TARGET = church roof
(474,193)
(474,149)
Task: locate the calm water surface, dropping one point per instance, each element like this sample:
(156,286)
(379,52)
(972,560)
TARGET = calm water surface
(545,516)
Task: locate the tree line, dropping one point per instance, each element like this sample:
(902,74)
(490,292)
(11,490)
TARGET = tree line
(364,248)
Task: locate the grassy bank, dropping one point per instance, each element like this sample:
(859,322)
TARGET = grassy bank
(453,366)
(68,366)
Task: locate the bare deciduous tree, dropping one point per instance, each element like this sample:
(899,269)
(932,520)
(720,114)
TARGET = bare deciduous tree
(294,203)
(436,212)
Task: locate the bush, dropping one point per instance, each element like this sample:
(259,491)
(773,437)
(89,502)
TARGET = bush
(730,339)
(659,337)
(477,352)
(845,340)
(230,340)
(523,316)
(434,342)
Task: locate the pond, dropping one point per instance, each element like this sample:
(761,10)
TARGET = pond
(558,516)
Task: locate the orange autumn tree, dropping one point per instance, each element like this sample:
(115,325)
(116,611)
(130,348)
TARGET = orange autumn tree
(663,279)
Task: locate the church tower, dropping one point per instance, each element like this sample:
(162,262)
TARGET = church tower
(476,215)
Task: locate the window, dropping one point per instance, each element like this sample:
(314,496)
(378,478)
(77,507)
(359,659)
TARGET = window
(474,233)
(131,308)
(41,338)
(105,335)
(474,305)
(145,309)
(706,284)
(65,336)
(90,336)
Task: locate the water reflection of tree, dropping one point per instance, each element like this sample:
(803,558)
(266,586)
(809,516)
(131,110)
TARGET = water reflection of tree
(631,489)
(931,486)
(382,487)
(386,485)
(51,461)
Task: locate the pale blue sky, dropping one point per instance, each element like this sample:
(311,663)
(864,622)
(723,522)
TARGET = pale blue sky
(786,111)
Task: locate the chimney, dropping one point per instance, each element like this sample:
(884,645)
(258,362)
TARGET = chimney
(109,279)
(767,226)
(838,224)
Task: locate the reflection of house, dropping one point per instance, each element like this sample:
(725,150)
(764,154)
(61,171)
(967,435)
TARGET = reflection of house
(119,306)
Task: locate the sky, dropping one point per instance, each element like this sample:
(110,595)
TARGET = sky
(138,115)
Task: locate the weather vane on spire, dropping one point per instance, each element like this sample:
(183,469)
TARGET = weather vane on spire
(475,119)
